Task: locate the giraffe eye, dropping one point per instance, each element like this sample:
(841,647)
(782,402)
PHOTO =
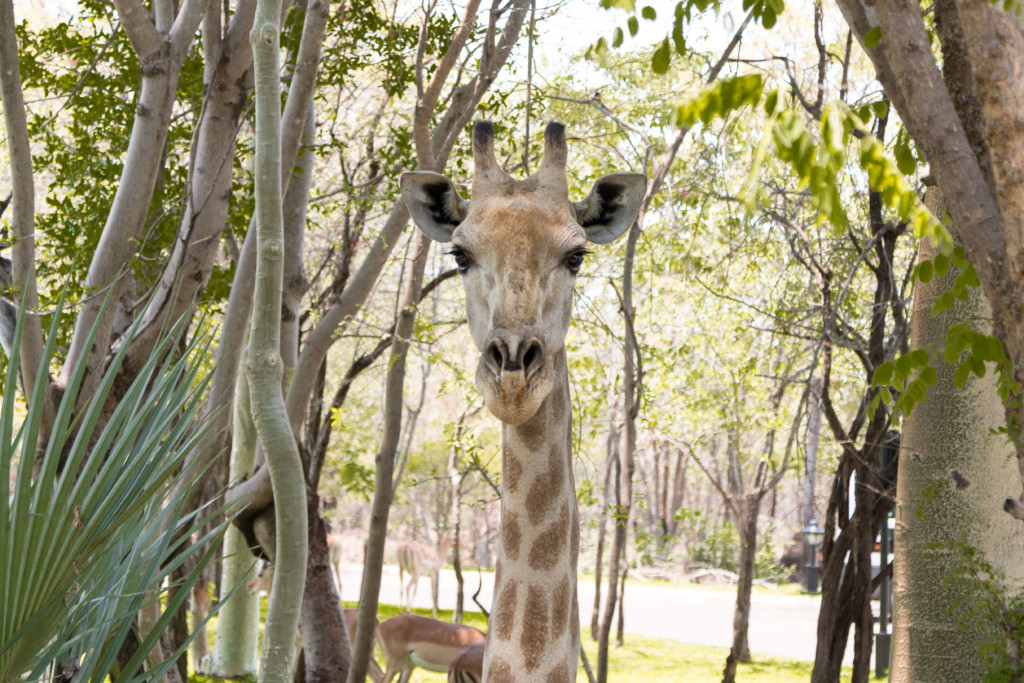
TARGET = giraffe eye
(462,260)
(574,261)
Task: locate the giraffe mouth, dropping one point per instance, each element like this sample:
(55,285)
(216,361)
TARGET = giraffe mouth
(513,392)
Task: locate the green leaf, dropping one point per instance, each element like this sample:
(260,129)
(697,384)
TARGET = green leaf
(617,40)
(633,25)
(648,13)
(872,38)
(660,60)
(941,264)
(925,270)
(929,375)
(961,375)
(768,18)
(771,102)
(883,374)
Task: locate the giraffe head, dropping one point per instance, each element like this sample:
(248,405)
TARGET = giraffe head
(519,245)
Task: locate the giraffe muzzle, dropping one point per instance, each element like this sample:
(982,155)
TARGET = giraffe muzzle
(513,376)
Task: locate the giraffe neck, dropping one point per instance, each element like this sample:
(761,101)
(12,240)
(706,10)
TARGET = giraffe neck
(534,629)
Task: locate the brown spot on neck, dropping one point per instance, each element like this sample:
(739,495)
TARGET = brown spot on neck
(534,638)
(560,607)
(510,535)
(551,545)
(505,609)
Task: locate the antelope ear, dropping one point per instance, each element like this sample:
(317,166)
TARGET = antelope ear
(611,207)
(435,204)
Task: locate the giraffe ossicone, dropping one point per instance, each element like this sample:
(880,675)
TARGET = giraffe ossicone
(519,245)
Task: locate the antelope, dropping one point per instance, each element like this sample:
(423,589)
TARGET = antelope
(468,665)
(410,640)
(419,558)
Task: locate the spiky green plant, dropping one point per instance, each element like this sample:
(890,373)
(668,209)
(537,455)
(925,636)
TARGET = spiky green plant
(89,540)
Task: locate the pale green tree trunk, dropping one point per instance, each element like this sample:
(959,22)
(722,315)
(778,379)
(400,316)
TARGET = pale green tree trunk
(264,366)
(953,471)
(236,645)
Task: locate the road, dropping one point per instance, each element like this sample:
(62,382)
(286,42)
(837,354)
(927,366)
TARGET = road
(780,625)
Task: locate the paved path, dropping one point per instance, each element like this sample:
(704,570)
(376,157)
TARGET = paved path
(781,625)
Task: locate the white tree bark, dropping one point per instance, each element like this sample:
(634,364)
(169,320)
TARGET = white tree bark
(235,646)
(263,361)
(950,465)
(161,50)
(23,269)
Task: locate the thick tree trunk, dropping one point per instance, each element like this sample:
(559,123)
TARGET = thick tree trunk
(325,640)
(950,463)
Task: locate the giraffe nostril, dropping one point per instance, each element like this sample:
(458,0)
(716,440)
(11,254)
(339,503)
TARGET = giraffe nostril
(495,356)
(533,356)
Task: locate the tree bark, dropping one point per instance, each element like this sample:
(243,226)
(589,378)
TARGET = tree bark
(602,529)
(749,507)
(235,647)
(326,650)
(23,267)
(161,48)
(385,462)
(951,461)
(264,365)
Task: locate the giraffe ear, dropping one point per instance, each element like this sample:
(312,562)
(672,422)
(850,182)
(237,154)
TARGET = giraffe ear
(435,204)
(611,207)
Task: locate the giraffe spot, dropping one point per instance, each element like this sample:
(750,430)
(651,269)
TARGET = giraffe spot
(558,406)
(500,671)
(574,541)
(574,618)
(533,435)
(544,493)
(560,607)
(513,470)
(534,640)
(560,674)
(510,536)
(550,544)
(505,612)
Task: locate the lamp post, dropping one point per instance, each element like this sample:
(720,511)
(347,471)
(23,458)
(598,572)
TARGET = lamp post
(813,535)
(890,448)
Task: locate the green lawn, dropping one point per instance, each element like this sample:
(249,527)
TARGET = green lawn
(640,660)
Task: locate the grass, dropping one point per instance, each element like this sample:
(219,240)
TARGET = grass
(639,660)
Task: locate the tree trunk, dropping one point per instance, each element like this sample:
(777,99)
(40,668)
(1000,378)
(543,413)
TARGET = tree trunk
(235,647)
(951,462)
(23,267)
(385,462)
(811,451)
(456,520)
(264,366)
(618,540)
(620,627)
(325,639)
(611,457)
(750,504)
(678,491)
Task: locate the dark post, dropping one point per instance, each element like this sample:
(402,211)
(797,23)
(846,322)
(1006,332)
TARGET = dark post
(813,535)
(890,447)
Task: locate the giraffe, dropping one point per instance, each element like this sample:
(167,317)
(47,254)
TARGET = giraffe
(519,245)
